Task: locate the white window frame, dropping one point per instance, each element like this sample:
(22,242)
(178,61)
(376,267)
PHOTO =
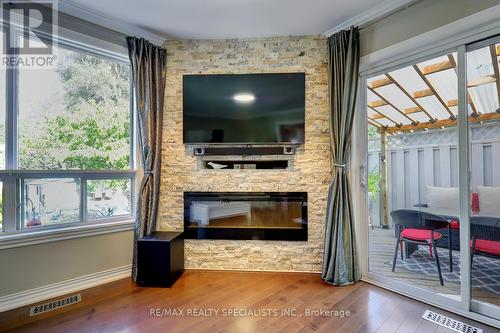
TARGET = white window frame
(13,233)
(450,38)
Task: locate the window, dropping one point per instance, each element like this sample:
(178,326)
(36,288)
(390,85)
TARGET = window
(108,197)
(66,152)
(76,115)
(50,201)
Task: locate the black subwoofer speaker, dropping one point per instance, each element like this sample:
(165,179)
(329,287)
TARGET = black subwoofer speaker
(160,259)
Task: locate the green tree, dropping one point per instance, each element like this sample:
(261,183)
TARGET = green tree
(373,182)
(87,78)
(372,132)
(93,132)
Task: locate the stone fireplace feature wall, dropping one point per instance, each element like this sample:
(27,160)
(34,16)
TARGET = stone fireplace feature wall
(311,163)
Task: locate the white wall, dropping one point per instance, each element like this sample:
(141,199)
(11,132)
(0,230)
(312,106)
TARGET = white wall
(28,267)
(417,19)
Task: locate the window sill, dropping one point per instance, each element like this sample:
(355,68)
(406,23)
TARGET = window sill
(46,236)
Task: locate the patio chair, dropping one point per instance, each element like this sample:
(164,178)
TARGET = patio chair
(418,227)
(485,236)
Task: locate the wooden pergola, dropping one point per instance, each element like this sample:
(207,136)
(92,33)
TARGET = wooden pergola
(424,96)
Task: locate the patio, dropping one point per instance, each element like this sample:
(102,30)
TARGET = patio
(381,249)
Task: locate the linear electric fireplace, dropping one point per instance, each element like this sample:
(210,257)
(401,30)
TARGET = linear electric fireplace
(246,215)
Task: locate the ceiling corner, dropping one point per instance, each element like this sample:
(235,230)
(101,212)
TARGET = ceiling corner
(71,8)
(370,15)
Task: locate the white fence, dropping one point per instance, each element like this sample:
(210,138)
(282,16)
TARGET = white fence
(417,160)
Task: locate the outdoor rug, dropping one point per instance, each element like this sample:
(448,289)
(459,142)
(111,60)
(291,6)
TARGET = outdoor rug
(485,270)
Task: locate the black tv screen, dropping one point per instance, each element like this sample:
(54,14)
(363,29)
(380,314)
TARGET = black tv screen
(244,108)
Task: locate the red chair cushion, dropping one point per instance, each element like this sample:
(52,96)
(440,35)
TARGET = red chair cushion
(419,234)
(454,224)
(487,246)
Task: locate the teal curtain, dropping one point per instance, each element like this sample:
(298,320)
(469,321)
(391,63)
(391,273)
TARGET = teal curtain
(148,63)
(340,259)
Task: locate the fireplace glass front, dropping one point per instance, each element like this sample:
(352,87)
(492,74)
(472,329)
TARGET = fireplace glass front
(246,215)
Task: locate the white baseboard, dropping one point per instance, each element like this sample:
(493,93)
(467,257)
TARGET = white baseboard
(16,300)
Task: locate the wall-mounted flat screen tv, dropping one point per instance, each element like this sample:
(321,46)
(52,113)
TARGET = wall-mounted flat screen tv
(244,108)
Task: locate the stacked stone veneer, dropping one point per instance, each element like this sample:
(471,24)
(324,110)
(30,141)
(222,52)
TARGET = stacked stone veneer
(310,167)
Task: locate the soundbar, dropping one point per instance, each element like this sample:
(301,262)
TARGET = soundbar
(244,151)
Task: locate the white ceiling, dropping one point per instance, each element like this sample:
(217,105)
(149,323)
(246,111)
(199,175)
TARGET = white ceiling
(213,19)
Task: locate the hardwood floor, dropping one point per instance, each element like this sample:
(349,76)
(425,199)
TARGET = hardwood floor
(129,308)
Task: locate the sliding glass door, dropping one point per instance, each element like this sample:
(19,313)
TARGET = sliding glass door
(483,87)
(413,174)
(430,174)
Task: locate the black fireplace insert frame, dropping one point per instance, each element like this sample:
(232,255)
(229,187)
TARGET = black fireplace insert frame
(299,234)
